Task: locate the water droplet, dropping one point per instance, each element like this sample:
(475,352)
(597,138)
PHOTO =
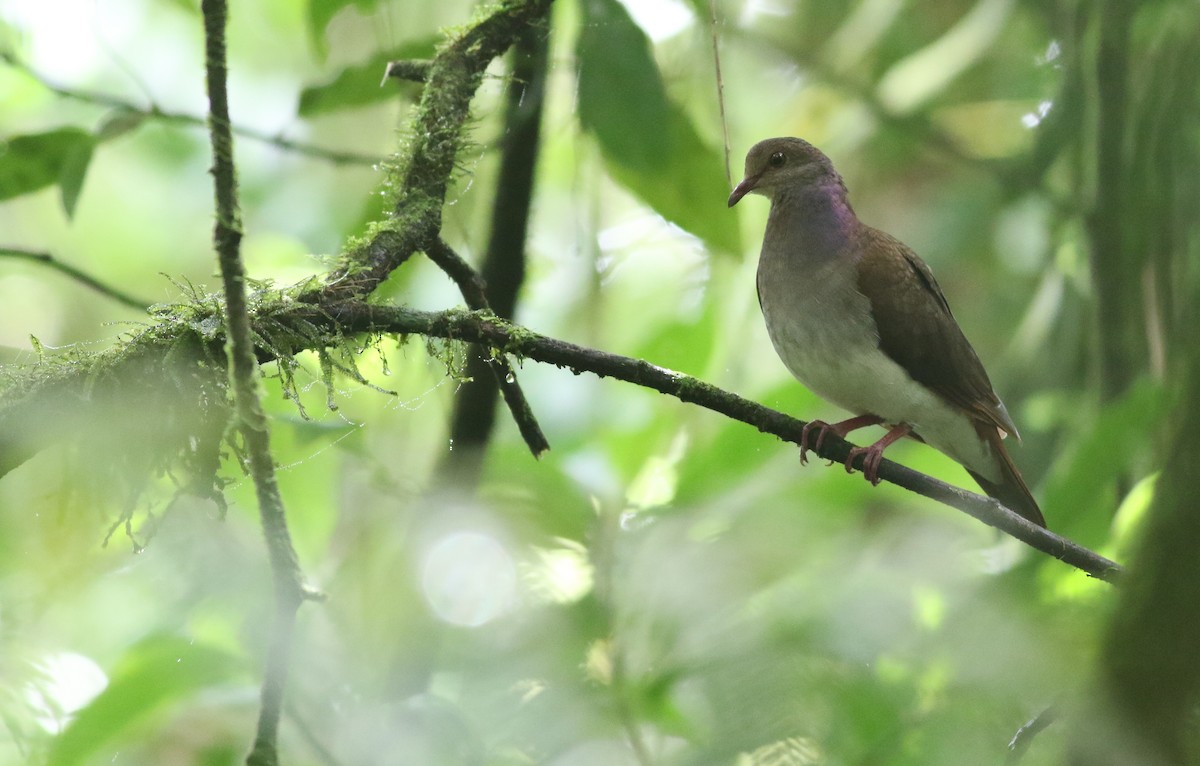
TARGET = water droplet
(510,378)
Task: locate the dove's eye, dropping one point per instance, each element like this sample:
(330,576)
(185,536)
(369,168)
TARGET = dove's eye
(777,159)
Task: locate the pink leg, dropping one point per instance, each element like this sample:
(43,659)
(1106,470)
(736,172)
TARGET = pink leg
(874,454)
(841,429)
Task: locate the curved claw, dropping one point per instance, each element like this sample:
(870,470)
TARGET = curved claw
(849,463)
(841,429)
(873,455)
(871,460)
(822,427)
(871,466)
(821,436)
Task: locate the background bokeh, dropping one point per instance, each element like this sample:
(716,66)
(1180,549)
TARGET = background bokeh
(663,586)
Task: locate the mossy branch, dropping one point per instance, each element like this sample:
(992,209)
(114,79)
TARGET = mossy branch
(296,326)
(50,402)
(423,171)
(471,285)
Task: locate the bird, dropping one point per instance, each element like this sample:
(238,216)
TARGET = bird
(858,318)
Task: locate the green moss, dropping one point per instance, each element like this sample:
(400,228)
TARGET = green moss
(686,386)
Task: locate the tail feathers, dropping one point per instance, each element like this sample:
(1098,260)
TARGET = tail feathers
(1011,490)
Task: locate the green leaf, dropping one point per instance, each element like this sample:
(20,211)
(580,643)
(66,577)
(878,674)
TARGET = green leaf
(120,122)
(649,143)
(690,190)
(1082,481)
(621,95)
(32,162)
(362,83)
(70,178)
(155,672)
(187,6)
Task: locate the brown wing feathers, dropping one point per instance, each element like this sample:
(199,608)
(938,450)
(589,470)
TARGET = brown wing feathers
(921,335)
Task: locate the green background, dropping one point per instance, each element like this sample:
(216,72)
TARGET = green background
(663,586)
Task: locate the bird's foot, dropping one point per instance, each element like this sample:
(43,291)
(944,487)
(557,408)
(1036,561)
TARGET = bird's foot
(873,455)
(840,428)
(822,428)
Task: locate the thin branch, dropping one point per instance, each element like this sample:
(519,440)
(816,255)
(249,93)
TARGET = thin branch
(31,400)
(503,268)
(1024,736)
(511,339)
(471,286)
(243,369)
(720,80)
(412,70)
(622,691)
(154,112)
(47,259)
(603,556)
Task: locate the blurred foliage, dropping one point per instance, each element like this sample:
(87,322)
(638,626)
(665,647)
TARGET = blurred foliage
(663,587)
(33,162)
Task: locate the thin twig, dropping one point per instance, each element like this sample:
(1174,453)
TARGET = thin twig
(1024,736)
(624,709)
(243,371)
(411,70)
(472,288)
(503,336)
(47,259)
(154,112)
(503,267)
(712,25)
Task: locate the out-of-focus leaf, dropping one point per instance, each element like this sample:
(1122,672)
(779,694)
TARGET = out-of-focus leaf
(220,755)
(32,162)
(119,123)
(362,83)
(321,12)
(690,189)
(1077,484)
(545,504)
(989,128)
(683,345)
(718,463)
(621,95)
(153,673)
(649,143)
(74,170)
(188,6)
(921,76)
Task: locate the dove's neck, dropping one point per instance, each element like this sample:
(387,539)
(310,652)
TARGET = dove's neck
(816,220)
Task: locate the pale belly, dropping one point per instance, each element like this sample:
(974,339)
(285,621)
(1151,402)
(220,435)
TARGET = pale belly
(840,361)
